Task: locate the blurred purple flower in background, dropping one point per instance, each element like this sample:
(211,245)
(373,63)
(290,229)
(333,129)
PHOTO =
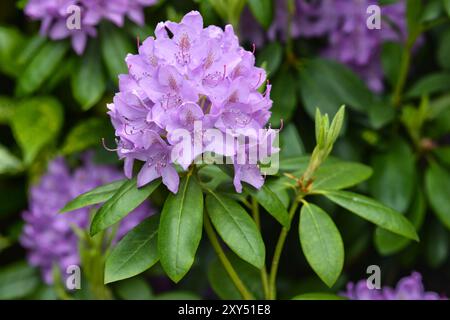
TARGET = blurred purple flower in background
(48,235)
(408,288)
(53,15)
(185,76)
(343,24)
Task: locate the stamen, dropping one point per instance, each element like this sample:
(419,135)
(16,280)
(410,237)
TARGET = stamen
(254,48)
(259,80)
(138,42)
(224,71)
(106,148)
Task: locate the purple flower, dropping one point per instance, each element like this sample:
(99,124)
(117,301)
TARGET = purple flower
(344,24)
(188,81)
(408,288)
(48,235)
(54,15)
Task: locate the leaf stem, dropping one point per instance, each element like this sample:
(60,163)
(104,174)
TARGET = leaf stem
(278,250)
(263,271)
(245,293)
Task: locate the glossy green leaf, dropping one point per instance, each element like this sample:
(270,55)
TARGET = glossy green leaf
(41,67)
(35,123)
(222,284)
(88,133)
(321,243)
(262,10)
(340,175)
(114,47)
(94,196)
(395,176)
(135,253)
(388,243)
(180,229)
(88,82)
(373,211)
(270,201)
(437,182)
(236,228)
(127,198)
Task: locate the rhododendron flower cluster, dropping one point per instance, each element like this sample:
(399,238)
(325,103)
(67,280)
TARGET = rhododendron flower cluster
(55,13)
(48,235)
(191,79)
(408,288)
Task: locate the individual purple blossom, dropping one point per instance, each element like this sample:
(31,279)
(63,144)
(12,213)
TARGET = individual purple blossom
(408,288)
(54,15)
(188,79)
(48,235)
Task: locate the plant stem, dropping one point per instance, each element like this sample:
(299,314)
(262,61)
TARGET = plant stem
(245,293)
(279,250)
(404,70)
(263,271)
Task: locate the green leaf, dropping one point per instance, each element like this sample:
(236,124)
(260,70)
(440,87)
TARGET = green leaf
(433,83)
(222,285)
(11,41)
(443,50)
(127,198)
(17,281)
(437,182)
(94,196)
(115,48)
(443,154)
(341,85)
(272,55)
(395,176)
(86,134)
(437,244)
(373,211)
(41,67)
(180,229)
(284,94)
(391,57)
(447,6)
(88,82)
(263,12)
(388,243)
(270,201)
(35,123)
(291,142)
(135,253)
(321,243)
(432,10)
(8,162)
(318,296)
(177,295)
(134,289)
(7,107)
(236,228)
(340,175)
